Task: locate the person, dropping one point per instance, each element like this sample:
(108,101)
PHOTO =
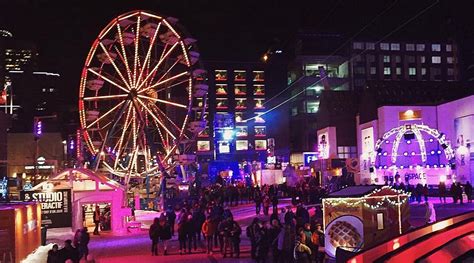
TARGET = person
(425,192)
(235,232)
(468,191)
(258,200)
(224,229)
(418,192)
(53,255)
(84,243)
(286,242)
(430,215)
(289,216)
(171,217)
(96,220)
(77,237)
(273,239)
(266,204)
(183,229)
(301,252)
(154,233)
(165,233)
(453,192)
(459,192)
(198,217)
(209,229)
(252,231)
(68,252)
(442,192)
(275,202)
(318,240)
(302,216)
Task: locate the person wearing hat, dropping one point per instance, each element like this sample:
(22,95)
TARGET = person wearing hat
(301,252)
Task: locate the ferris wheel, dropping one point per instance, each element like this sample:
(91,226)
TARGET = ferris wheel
(139,91)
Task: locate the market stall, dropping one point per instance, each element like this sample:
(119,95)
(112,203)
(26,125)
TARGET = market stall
(359,216)
(71,196)
(20,232)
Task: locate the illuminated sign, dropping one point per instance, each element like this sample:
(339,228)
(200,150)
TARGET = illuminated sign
(308,157)
(55,206)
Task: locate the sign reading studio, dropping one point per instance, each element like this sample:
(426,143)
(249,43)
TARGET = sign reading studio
(55,206)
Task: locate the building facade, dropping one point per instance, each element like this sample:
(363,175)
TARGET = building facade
(235,132)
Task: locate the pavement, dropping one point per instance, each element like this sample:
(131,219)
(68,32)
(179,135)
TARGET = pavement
(135,246)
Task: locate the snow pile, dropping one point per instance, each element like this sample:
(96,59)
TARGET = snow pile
(40,255)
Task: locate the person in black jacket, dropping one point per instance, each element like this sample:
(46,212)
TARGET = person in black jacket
(154,234)
(165,233)
(171,218)
(468,191)
(83,245)
(69,252)
(54,255)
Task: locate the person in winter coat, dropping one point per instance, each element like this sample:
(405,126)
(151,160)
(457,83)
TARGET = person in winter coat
(224,228)
(96,220)
(252,232)
(430,215)
(286,241)
(183,231)
(171,218)
(266,204)
(235,232)
(468,191)
(54,256)
(209,229)
(83,245)
(154,233)
(258,201)
(442,192)
(301,253)
(275,202)
(165,233)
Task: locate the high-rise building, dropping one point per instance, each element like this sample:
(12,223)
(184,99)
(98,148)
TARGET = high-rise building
(235,132)
(329,62)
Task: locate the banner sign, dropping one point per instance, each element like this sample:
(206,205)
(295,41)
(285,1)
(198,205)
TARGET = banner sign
(56,210)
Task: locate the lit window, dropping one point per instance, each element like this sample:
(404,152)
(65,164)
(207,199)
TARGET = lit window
(241,145)
(346,152)
(373,70)
(259,119)
(370,46)
(412,71)
(384,46)
(436,60)
(395,46)
(420,47)
(258,76)
(239,75)
(423,71)
(260,131)
(258,90)
(203,146)
(241,131)
(410,47)
(260,145)
(259,103)
(398,71)
(221,103)
(224,146)
(423,59)
(312,106)
(386,71)
(239,117)
(221,74)
(240,89)
(386,59)
(436,47)
(450,60)
(240,103)
(221,89)
(450,72)
(449,47)
(358,45)
(294,111)
(204,133)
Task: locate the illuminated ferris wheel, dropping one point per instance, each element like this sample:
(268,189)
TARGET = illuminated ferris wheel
(139,88)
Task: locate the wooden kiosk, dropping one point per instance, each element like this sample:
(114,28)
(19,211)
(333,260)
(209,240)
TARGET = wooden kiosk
(360,216)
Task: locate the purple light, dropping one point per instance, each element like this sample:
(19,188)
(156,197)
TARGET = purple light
(413,153)
(39,128)
(71,144)
(387,141)
(439,151)
(431,140)
(432,152)
(408,142)
(405,154)
(385,154)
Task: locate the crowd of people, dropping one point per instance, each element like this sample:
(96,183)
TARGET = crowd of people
(421,192)
(73,250)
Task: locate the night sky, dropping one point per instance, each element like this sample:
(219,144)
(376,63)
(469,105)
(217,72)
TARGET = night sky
(226,30)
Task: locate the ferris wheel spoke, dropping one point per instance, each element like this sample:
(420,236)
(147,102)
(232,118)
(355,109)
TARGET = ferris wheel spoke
(122,136)
(166,73)
(148,54)
(157,65)
(164,81)
(107,79)
(135,62)
(105,97)
(163,101)
(161,113)
(105,114)
(124,53)
(114,65)
(152,114)
(171,86)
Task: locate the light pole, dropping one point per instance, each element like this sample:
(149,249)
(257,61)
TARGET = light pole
(38,131)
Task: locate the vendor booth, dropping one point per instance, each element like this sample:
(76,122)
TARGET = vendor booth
(20,230)
(71,197)
(360,216)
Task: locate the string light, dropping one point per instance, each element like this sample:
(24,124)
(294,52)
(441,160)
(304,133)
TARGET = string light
(363,199)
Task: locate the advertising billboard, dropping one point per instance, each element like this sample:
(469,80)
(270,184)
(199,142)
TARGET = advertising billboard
(56,210)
